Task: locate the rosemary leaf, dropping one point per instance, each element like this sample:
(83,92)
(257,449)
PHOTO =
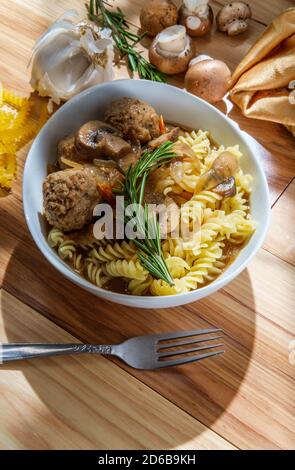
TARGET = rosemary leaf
(124,39)
(150,251)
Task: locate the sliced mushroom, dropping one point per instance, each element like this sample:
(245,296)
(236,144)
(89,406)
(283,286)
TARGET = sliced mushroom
(207,78)
(171,50)
(233,18)
(157,15)
(196,16)
(224,167)
(97,139)
(227,188)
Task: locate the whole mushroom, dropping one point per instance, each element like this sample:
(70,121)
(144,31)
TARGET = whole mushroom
(207,78)
(233,18)
(171,50)
(196,16)
(157,15)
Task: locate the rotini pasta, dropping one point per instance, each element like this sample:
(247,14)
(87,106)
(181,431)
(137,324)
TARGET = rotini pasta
(78,261)
(111,252)
(208,199)
(238,203)
(212,225)
(177,266)
(199,142)
(16,130)
(140,287)
(207,266)
(95,273)
(67,249)
(55,237)
(127,269)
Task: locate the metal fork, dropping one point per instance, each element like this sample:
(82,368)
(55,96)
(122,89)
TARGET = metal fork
(140,352)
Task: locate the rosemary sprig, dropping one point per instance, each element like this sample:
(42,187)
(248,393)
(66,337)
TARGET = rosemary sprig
(150,251)
(124,39)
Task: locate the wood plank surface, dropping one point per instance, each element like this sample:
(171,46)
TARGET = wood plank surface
(83,402)
(246,396)
(281,236)
(257,330)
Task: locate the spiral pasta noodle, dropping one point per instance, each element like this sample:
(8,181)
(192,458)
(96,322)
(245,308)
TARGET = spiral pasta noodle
(211,227)
(207,266)
(67,249)
(128,269)
(55,237)
(16,130)
(140,287)
(111,252)
(199,142)
(95,273)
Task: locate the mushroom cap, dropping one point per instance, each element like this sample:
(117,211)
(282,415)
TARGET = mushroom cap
(237,27)
(177,54)
(208,79)
(197,23)
(157,15)
(232,12)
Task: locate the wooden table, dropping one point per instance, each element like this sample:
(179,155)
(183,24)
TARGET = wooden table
(244,399)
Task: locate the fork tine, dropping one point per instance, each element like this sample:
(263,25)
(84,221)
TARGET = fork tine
(186,351)
(190,341)
(186,360)
(183,334)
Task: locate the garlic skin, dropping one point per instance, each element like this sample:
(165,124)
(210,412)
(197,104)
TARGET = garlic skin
(71,56)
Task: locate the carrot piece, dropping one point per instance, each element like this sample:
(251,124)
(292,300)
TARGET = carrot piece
(162,125)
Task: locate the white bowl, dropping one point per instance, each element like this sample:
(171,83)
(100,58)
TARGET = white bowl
(176,106)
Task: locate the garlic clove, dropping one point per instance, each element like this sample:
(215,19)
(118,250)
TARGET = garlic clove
(70,57)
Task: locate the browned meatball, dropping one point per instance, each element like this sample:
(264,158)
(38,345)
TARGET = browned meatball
(69,197)
(134,118)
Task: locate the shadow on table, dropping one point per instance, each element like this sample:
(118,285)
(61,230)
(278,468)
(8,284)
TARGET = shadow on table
(204,390)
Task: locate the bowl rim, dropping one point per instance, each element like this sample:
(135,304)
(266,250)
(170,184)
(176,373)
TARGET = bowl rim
(65,269)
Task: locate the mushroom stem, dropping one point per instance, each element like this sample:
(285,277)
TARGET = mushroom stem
(171,50)
(172,41)
(196,16)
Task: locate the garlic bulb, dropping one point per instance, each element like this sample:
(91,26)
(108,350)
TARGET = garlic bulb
(70,57)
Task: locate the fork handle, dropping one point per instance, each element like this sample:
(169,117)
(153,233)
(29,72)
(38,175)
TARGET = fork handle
(18,351)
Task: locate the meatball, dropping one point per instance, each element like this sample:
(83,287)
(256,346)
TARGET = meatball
(134,118)
(69,198)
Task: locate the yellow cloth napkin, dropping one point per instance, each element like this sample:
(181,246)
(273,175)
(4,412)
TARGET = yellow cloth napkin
(262,82)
